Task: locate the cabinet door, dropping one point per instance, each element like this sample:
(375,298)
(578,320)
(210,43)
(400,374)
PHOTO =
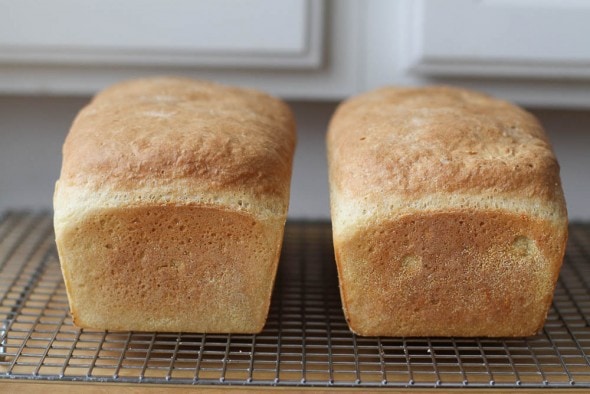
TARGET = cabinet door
(297,49)
(196,33)
(500,38)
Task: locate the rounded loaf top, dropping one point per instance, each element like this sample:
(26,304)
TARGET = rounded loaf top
(159,130)
(412,142)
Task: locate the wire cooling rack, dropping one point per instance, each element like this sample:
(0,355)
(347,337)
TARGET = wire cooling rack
(306,341)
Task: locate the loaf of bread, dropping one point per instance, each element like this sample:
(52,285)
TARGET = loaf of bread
(448,214)
(171,206)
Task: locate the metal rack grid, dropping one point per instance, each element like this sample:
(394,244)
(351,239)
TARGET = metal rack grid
(306,341)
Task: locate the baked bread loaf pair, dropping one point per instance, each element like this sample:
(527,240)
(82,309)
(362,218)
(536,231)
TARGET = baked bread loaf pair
(171,205)
(447,210)
(448,214)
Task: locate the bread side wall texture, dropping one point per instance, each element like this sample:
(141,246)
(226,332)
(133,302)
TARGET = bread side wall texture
(447,211)
(171,205)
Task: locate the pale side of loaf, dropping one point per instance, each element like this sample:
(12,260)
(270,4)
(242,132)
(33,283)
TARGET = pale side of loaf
(448,214)
(171,206)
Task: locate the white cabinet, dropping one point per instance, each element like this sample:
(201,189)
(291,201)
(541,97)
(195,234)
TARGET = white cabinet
(224,33)
(497,38)
(78,47)
(534,52)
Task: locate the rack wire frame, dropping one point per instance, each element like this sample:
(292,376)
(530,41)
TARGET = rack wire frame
(306,341)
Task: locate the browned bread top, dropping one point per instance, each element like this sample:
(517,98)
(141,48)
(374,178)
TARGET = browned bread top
(151,132)
(417,141)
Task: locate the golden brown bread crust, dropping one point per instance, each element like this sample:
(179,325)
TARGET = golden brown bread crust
(170,268)
(171,205)
(168,129)
(448,214)
(439,139)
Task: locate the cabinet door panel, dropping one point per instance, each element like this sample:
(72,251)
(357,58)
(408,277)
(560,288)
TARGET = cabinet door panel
(498,38)
(221,33)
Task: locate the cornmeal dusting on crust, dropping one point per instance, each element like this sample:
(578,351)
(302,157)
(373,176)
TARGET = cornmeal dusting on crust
(171,205)
(448,214)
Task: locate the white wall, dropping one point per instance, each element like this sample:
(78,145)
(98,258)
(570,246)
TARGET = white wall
(32,130)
